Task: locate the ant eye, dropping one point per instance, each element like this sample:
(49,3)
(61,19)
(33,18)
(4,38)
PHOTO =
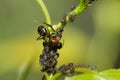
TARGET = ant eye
(42,30)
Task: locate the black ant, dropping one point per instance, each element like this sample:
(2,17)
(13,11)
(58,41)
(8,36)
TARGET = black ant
(54,37)
(42,32)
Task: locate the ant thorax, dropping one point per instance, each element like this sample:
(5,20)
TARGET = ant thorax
(55,38)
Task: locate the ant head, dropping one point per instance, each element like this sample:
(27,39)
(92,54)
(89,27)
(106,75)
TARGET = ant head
(42,30)
(54,37)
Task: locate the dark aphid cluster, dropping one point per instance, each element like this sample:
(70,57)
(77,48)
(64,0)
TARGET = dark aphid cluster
(67,69)
(48,58)
(71,16)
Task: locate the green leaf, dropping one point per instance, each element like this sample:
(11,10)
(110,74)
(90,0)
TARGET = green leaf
(111,74)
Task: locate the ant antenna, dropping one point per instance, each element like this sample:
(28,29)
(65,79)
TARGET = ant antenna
(52,28)
(39,38)
(49,26)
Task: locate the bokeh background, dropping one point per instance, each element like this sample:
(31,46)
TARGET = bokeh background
(92,39)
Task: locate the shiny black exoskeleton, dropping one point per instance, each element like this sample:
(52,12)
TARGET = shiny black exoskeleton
(42,32)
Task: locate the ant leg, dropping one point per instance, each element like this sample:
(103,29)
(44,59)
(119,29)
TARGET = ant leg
(49,26)
(40,37)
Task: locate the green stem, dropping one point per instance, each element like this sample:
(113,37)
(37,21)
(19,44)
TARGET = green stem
(46,14)
(83,4)
(45,11)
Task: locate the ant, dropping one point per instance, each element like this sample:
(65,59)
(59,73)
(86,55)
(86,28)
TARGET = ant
(54,37)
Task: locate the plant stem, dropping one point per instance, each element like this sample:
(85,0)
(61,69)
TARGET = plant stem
(45,11)
(46,14)
(83,4)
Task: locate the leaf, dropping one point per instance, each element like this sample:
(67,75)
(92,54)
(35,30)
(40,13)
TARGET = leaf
(111,74)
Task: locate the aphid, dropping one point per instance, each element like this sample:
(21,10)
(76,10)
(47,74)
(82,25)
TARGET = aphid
(71,17)
(63,21)
(63,69)
(59,45)
(73,7)
(71,67)
(67,69)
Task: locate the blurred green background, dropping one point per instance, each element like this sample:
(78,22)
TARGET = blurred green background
(92,39)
